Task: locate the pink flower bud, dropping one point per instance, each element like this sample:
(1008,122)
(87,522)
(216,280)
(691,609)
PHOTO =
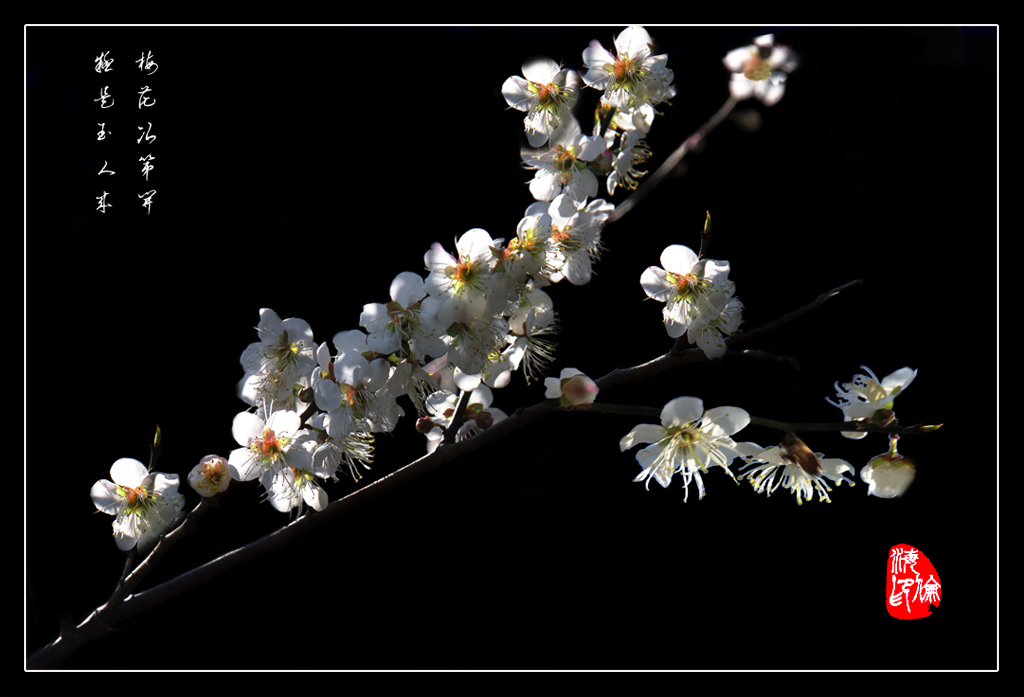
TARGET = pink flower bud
(579,391)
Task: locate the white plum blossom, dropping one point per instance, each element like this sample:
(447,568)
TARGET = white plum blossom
(267,446)
(353,450)
(631,78)
(571,388)
(547,95)
(710,335)
(210,476)
(563,166)
(530,325)
(466,279)
(760,70)
(865,395)
(527,254)
(406,323)
(575,240)
(281,359)
(290,488)
(473,335)
(697,294)
(144,503)
(775,466)
(632,153)
(346,386)
(688,441)
(479,415)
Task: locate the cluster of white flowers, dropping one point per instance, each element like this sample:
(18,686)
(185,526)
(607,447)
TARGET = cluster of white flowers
(698,297)
(691,439)
(480,313)
(633,82)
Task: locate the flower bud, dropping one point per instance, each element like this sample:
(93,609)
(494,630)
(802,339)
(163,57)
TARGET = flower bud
(579,390)
(484,420)
(210,476)
(888,475)
(572,389)
(425,425)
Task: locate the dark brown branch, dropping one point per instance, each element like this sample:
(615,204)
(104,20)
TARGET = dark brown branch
(789,317)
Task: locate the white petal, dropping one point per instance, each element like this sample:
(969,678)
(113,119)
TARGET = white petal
(682,410)
(242,465)
(735,58)
(678,259)
(407,288)
(517,94)
(725,421)
(105,498)
(643,433)
(284,422)
(128,472)
(541,70)
(655,283)
(632,40)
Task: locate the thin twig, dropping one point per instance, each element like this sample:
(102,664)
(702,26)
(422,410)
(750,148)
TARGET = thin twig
(674,159)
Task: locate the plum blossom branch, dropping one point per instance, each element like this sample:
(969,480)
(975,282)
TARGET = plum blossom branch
(790,316)
(674,159)
(655,412)
(122,605)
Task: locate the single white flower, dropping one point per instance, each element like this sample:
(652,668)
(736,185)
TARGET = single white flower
(290,488)
(530,326)
(329,454)
(345,387)
(633,76)
(466,278)
(777,466)
(695,292)
(760,70)
(267,446)
(210,476)
(405,324)
(632,153)
(281,359)
(571,388)
(688,441)
(527,254)
(865,395)
(709,334)
(144,503)
(547,94)
(563,166)
(575,238)
(474,334)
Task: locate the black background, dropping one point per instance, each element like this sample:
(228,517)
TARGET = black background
(301,169)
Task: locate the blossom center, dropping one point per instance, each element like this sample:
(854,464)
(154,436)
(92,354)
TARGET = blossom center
(136,499)
(628,72)
(565,239)
(270,445)
(756,68)
(565,157)
(687,287)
